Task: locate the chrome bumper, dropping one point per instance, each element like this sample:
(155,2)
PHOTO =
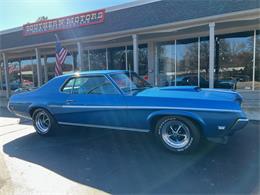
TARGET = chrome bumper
(239,124)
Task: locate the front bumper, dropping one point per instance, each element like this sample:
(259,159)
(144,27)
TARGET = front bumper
(239,124)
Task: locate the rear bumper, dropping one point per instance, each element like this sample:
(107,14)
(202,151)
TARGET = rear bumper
(18,112)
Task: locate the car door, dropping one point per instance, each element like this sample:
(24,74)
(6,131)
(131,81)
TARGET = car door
(94,102)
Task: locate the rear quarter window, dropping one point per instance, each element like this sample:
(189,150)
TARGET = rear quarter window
(68,87)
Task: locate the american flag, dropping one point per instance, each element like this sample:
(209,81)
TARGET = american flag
(12,69)
(61,54)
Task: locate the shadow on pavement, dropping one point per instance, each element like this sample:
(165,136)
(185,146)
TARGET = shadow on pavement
(127,162)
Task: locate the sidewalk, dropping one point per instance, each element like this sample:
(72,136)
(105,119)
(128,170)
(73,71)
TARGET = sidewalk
(3,102)
(251,104)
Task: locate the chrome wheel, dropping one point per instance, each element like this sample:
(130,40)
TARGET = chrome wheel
(42,122)
(175,133)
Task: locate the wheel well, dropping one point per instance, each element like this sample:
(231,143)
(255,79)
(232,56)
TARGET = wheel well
(157,118)
(32,110)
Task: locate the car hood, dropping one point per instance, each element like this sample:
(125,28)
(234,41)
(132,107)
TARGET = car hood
(190,92)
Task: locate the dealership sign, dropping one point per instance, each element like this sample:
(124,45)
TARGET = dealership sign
(68,22)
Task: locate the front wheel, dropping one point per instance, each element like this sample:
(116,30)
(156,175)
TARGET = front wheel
(178,134)
(43,122)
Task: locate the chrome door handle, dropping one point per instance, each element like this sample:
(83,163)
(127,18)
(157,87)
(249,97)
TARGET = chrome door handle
(69,101)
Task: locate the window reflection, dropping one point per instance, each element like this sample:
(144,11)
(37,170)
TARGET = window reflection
(27,73)
(85,61)
(257,61)
(187,62)
(14,75)
(130,58)
(166,64)
(51,62)
(204,63)
(143,59)
(67,66)
(2,78)
(117,58)
(34,68)
(97,59)
(234,61)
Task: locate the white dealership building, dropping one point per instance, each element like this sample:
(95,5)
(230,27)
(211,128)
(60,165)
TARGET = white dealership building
(168,42)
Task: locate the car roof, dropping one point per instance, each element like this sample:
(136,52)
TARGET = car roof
(96,72)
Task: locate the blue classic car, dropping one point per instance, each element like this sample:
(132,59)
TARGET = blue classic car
(179,116)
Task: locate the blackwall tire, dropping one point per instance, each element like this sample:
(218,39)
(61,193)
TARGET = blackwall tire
(178,134)
(43,122)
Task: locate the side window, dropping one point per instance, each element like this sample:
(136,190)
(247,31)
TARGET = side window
(68,88)
(94,85)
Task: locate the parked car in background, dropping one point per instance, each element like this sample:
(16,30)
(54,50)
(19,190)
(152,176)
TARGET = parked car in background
(180,117)
(192,80)
(17,84)
(13,85)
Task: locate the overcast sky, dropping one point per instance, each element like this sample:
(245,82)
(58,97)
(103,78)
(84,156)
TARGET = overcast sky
(14,13)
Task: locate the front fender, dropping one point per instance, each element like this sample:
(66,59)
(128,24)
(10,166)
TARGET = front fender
(193,116)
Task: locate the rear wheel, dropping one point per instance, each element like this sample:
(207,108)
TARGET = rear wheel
(43,122)
(178,134)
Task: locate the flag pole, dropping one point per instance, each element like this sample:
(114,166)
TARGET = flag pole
(61,54)
(58,39)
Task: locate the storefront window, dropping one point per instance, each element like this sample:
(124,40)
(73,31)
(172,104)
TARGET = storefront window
(27,73)
(257,62)
(130,58)
(187,62)
(67,67)
(51,62)
(234,61)
(14,75)
(34,67)
(166,64)
(74,61)
(2,76)
(143,59)
(43,71)
(97,59)
(85,60)
(204,63)
(116,58)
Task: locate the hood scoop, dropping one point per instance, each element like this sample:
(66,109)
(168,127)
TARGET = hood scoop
(181,88)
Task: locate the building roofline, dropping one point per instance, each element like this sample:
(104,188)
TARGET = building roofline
(10,30)
(227,17)
(108,9)
(129,5)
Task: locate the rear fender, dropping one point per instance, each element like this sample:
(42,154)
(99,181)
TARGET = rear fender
(32,107)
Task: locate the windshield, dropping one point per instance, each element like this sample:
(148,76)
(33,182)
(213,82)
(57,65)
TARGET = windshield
(130,83)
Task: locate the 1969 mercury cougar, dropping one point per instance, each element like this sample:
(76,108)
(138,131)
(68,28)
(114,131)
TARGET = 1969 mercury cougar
(179,116)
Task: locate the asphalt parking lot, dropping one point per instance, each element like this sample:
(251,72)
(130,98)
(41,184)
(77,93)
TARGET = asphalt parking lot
(80,161)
